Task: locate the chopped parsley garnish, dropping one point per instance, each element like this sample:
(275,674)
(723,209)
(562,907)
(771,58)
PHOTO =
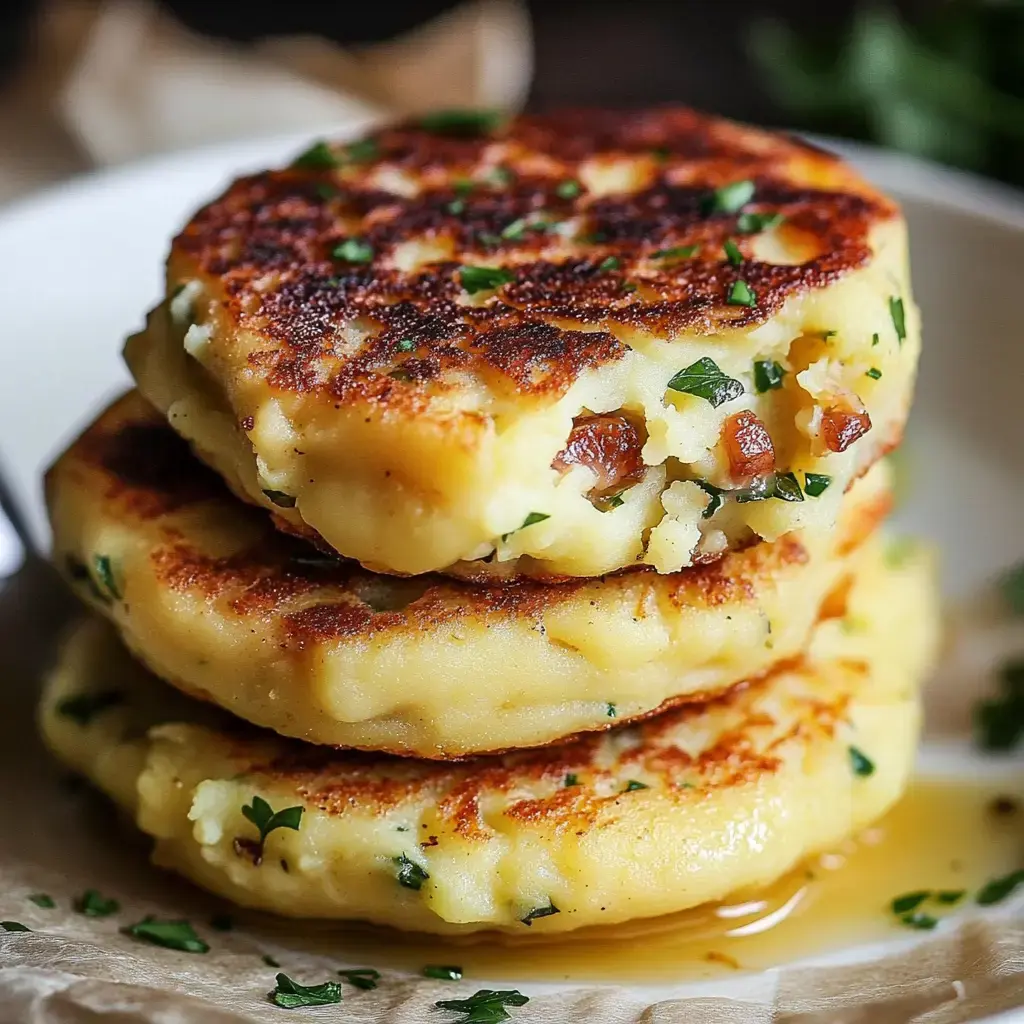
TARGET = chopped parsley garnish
(909,901)
(1011,588)
(572,779)
(609,263)
(677,252)
(705,380)
(816,484)
(319,157)
(539,912)
(484,1007)
(222,922)
(365,978)
(457,206)
(266,819)
(92,904)
(279,498)
(862,764)
(410,874)
(502,176)
(515,231)
(874,373)
(269,960)
(362,151)
(919,920)
(105,575)
(768,375)
(443,972)
(169,934)
(729,198)
(353,250)
(291,995)
(950,896)
(13,926)
(79,573)
(755,223)
(874,340)
(759,490)
(732,252)
(999,721)
(406,345)
(84,707)
(464,123)
(326,191)
(611,711)
(629,286)
(484,279)
(633,785)
(42,899)
(609,502)
(786,487)
(716,498)
(568,189)
(534,517)
(741,294)
(999,888)
(899,321)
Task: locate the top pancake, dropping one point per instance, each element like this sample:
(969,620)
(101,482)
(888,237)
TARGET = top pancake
(400,344)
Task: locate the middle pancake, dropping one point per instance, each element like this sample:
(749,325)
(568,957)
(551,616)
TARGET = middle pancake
(211,598)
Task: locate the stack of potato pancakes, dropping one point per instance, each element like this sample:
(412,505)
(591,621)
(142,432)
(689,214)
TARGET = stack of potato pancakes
(493,538)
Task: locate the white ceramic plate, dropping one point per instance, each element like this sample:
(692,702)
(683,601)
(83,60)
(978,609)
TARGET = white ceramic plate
(80,264)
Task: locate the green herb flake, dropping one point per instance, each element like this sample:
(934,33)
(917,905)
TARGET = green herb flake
(266,819)
(365,978)
(462,123)
(105,575)
(768,375)
(909,901)
(410,874)
(874,340)
(919,921)
(611,711)
(222,922)
(291,995)
(269,960)
(533,518)
(169,934)
(609,263)
(816,484)
(362,151)
(633,785)
(1011,589)
(704,379)
(457,206)
(442,972)
(572,779)
(326,191)
(353,250)
(539,912)
(729,198)
(502,177)
(874,373)
(999,721)
(92,904)
(82,708)
(484,1007)
(279,498)
(732,252)
(786,487)
(741,294)
(42,899)
(14,926)
(755,223)
(862,764)
(629,286)
(898,315)
(406,345)
(568,189)
(319,157)
(998,889)
(678,252)
(484,279)
(515,231)
(950,896)
(610,501)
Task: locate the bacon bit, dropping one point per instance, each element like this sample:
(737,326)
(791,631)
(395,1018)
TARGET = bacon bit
(748,446)
(840,427)
(247,423)
(252,849)
(608,445)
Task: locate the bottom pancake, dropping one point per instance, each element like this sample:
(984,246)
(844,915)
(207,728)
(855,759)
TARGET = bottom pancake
(643,820)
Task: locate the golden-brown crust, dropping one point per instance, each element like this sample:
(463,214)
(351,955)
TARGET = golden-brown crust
(264,249)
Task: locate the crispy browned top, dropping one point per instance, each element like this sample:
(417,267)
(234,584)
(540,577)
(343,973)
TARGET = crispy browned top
(584,265)
(130,470)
